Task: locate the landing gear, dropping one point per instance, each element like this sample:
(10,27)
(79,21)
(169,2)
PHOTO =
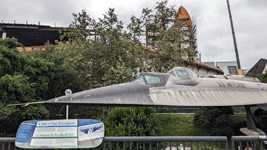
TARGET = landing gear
(251,129)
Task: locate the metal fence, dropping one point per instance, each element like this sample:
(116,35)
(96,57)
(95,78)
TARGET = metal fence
(249,142)
(170,143)
(8,143)
(165,142)
(150,143)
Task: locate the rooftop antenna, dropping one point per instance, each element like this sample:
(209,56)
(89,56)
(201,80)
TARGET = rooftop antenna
(235,45)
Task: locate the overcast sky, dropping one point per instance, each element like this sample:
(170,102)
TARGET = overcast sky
(214,33)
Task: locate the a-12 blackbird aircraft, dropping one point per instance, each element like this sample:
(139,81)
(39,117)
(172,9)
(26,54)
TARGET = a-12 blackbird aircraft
(179,87)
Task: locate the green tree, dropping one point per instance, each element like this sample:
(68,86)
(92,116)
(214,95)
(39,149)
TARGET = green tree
(165,28)
(263,77)
(10,43)
(261,118)
(110,55)
(261,114)
(117,74)
(22,80)
(216,120)
(60,79)
(16,89)
(105,59)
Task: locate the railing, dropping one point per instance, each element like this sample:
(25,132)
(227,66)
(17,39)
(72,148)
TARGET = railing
(165,142)
(8,141)
(248,142)
(150,142)
(170,142)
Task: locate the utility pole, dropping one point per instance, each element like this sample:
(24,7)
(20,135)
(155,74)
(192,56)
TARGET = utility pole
(235,45)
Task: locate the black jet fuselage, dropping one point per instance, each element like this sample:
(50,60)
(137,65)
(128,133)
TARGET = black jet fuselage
(179,87)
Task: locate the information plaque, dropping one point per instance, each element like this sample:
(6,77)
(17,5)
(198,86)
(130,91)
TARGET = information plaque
(71,133)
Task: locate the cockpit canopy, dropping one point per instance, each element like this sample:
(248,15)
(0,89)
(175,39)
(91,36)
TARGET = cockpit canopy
(177,75)
(155,79)
(183,76)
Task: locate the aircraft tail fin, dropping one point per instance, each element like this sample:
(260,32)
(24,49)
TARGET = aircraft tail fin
(257,69)
(26,104)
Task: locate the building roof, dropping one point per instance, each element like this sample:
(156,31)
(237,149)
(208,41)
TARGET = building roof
(30,34)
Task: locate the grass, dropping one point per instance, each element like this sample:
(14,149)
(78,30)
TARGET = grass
(182,125)
(242,116)
(179,125)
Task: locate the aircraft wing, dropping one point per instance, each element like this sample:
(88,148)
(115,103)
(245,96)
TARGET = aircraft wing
(26,104)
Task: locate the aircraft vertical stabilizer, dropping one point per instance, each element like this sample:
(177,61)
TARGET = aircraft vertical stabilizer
(257,69)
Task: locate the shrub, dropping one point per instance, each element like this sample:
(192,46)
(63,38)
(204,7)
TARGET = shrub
(261,119)
(215,119)
(132,121)
(258,112)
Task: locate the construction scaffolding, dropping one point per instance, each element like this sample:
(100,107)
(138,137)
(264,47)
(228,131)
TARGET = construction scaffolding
(193,38)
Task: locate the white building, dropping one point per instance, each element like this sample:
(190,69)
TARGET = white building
(229,67)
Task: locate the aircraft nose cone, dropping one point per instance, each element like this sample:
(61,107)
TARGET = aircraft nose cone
(127,93)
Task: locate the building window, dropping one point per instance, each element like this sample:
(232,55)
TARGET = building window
(232,70)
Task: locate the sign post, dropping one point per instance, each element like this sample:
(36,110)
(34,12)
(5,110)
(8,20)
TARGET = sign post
(67,112)
(67,92)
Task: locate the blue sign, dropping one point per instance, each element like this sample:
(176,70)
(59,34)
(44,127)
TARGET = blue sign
(71,133)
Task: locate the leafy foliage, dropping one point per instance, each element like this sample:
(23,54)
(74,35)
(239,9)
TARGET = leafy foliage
(97,53)
(99,60)
(34,113)
(261,119)
(263,77)
(261,114)
(174,124)
(165,28)
(22,80)
(117,74)
(60,78)
(10,43)
(16,89)
(102,53)
(132,121)
(215,119)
